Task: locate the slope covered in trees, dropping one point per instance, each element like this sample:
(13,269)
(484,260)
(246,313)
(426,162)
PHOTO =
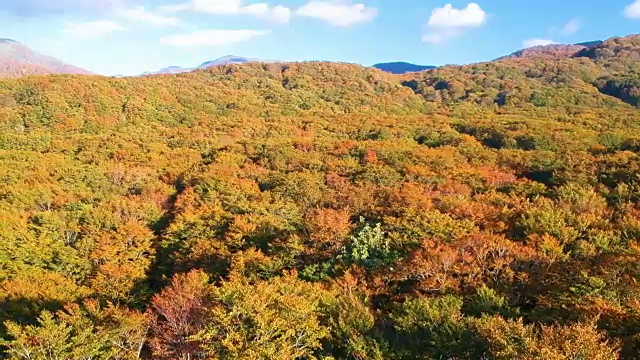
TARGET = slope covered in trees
(556,76)
(318,210)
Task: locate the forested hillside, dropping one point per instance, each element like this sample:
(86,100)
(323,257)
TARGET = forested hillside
(547,76)
(325,211)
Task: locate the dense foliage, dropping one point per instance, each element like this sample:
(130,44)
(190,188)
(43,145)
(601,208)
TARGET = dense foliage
(325,211)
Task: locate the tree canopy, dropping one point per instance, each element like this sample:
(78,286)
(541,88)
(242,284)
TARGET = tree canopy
(325,211)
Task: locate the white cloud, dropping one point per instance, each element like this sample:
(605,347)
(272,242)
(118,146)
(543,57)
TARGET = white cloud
(212,37)
(281,14)
(278,13)
(448,16)
(536,42)
(255,9)
(338,13)
(232,7)
(92,29)
(447,22)
(632,11)
(572,27)
(212,6)
(139,14)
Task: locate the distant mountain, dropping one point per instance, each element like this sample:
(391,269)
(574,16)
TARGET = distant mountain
(169,70)
(393,67)
(228,60)
(552,51)
(18,60)
(402,67)
(225,60)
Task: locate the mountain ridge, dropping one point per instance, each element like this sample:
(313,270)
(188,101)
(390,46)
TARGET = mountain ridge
(398,67)
(16,60)
(552,50)
(225,60)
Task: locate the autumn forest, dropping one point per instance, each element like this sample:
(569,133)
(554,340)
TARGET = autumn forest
(326,211)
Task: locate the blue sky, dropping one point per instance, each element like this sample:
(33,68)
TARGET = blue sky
(131,36)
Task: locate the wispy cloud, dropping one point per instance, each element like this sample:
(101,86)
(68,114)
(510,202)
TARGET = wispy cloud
(632,11)
(571,27)
(212,37)
(448,22)
(140,14)
(232,7)
(92,29)
(338,13)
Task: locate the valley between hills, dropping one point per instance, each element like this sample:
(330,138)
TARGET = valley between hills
(315,210)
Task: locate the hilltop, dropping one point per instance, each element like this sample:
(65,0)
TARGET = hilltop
(18,60)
